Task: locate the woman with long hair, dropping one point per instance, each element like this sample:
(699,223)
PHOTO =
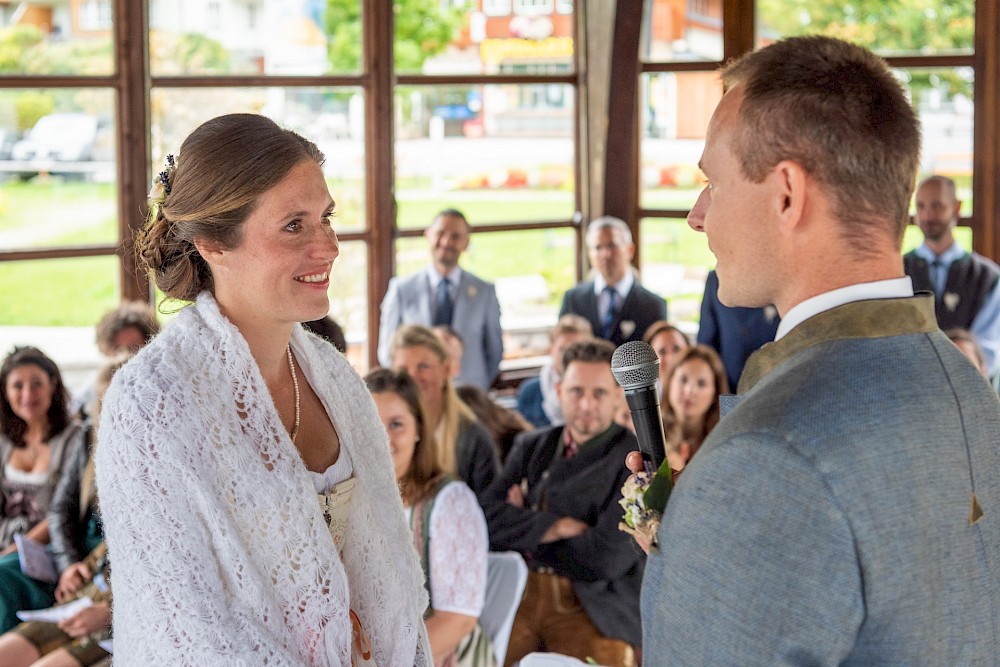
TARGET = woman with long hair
(464,448)
(668,342)
(448,525)
(80,557)
(690,407)
(37,438)
(247,493)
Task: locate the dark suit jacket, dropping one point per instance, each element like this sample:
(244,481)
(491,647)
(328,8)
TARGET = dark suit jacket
(604,563)
(640,309)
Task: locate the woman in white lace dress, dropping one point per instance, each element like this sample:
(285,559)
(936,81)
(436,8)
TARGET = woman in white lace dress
(247,492)
(448,526)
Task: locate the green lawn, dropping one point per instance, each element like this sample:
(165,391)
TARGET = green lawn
(57,212)
(57,292)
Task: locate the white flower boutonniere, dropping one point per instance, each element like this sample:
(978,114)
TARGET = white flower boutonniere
(639,520)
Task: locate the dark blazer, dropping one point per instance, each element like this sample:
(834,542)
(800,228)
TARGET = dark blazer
(604,564)
(735,333)
(477,458)
(640,309)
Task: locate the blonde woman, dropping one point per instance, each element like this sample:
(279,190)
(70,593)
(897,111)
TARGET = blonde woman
(464,448)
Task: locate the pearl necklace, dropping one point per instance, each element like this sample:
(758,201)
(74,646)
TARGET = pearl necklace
(295,385)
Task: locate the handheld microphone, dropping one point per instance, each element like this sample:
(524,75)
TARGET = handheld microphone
(636,367)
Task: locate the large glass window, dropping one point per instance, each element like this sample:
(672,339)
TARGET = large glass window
(501,153)
(331,117)
(676,108)
(57,168)
(65,38)
(682,31)
(903,27)
(258,37)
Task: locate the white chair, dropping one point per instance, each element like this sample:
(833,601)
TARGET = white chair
(506,577)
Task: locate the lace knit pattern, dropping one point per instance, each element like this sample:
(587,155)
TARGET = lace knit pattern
(458,549)
(218,550)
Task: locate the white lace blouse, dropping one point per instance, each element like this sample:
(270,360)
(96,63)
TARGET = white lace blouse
(458,548)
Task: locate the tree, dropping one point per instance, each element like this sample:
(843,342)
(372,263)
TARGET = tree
(889,26)
(423,28)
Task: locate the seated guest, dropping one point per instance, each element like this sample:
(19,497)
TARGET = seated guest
(464,448)
(38,441)
(536,398)
(503,424)
(735,333)
(327,328)
(456,349)
(618,308)
(449,529)
(667,341)
(73,641)
(970,347)
(74,528)
(556,502)
(690,407)
(123,330)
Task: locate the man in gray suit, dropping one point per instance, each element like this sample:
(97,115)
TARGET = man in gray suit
(445,295)
(846,511)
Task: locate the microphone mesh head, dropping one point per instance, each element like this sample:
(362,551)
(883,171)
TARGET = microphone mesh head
(635,364)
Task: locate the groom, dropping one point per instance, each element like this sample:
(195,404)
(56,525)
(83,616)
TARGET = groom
(846,511)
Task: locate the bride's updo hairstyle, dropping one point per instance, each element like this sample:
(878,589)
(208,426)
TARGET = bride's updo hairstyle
(208,191)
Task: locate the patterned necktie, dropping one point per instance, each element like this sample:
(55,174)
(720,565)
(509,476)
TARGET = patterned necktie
(445,306)
(608,320)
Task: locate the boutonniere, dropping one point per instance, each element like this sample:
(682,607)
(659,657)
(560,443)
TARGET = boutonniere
(951,301)
(644,497)
(471,291)
(627,327)
(639,520)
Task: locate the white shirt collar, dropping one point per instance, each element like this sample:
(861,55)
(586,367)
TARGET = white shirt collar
(879,289)
(435,278)
(623,286)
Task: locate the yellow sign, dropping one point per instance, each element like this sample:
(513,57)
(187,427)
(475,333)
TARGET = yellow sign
(495,51)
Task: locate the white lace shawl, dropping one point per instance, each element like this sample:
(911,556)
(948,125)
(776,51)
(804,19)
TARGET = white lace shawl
(219,553)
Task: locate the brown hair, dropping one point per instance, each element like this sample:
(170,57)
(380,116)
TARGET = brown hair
(453,409)
(222,169)
(502,423)
(593,351)
(571,324)
(134,314)
(12,426)
(424,469)
(661,326)
(671,425)
(837,110)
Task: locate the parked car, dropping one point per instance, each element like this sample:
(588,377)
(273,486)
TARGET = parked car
(64,137)
(8,138)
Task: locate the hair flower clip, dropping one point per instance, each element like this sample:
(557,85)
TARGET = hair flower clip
(161,182)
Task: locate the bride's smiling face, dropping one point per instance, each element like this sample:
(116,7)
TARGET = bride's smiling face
(280,272)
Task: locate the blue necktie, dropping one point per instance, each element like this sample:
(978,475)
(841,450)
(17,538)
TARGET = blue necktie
(936,278)
(608,320)
(445,306)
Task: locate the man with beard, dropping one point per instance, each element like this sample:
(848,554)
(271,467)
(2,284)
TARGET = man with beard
(964,283)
